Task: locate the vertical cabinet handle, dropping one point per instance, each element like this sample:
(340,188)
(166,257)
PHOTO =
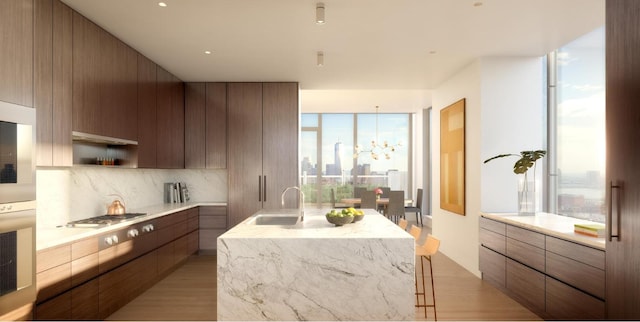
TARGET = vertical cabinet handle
(265,188)
(259,188)
(614,186)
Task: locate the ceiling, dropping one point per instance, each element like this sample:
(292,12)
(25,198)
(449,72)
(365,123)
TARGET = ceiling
(367,44)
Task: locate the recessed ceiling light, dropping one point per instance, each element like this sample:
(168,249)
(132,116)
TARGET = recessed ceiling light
(208,52)
(477,4)
(162,4)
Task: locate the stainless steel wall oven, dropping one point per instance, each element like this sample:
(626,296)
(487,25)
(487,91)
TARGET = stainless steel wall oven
(17,206)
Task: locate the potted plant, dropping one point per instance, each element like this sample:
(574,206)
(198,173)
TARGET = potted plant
(526,195)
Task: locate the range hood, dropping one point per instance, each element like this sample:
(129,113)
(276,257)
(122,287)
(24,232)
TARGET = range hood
(93,138)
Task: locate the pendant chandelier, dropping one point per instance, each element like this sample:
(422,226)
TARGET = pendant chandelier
(377,149)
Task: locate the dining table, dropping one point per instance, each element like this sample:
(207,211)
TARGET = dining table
(379,201)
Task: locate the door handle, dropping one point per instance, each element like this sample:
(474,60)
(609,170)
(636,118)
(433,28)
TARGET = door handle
(265,188)
(259,188)
(614,186)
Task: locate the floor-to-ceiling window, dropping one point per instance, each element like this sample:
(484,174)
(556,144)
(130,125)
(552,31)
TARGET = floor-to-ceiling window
(328,148)
(580,128)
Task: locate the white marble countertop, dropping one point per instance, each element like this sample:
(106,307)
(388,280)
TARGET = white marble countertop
(51,237)
(550,224)
(315,225)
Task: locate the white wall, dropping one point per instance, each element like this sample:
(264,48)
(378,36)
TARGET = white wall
(512,121)
(504,99)
(459,234)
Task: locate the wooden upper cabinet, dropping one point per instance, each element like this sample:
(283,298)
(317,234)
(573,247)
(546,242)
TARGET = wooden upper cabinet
(245,151)
(195,141)
(280,127)
(104,82)
(170,121)
(262,146)
(52,75)
(16,52)
(86,76)
(147,122)
(216,131)
(124,119)
(205,125)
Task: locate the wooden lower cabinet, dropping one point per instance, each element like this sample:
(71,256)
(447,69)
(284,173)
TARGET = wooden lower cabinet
(78,282)
(526,284)
(57,308)
(84,301)
(564,302)
(493,267)
(121,285)
(553,277)
(213,223)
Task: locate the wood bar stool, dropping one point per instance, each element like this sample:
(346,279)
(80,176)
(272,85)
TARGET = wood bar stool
(403,223)
(425,251)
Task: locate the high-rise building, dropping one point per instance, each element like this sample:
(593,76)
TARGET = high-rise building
(337,151)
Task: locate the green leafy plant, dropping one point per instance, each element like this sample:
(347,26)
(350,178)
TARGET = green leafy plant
(526,161)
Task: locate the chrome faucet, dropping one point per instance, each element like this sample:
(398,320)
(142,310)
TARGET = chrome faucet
(301,194)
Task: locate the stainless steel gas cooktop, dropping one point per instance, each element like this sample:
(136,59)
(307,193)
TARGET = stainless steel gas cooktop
(104,220)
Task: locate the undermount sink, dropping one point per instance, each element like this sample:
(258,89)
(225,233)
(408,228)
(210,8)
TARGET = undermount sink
(274,219)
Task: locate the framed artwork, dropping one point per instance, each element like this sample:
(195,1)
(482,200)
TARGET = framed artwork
(452,158)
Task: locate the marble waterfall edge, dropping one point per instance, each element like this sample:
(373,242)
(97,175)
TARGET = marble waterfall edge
(316,278)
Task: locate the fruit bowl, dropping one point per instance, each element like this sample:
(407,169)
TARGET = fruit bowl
(339,221)
(357,218)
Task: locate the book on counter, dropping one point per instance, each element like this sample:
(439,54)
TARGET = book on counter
(593,230)
(176,192)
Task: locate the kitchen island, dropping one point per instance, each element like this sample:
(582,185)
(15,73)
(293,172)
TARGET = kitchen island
(313,270)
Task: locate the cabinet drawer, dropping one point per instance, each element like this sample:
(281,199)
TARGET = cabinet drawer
(213,210)
(493,267)
(218,222)
(84,269)
(577,274)
(53,281)
(525,253)
(580,253)
(84,247)
(527,285)
(193,213)
(52,257)
(58,308)
(567,303)
(209,238)
(166,221)
(493,240)
(193,224)
(492,225)
(180,229)
(526,236)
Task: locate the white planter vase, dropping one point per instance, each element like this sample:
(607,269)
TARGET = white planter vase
(526,195)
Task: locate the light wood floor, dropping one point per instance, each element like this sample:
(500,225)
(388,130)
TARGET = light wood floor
(189,293)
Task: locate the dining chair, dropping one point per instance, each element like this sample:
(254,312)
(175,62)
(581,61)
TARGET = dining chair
(368,200)
(357,191)
(385,192)
(395,209)
(417,209)
(333,201)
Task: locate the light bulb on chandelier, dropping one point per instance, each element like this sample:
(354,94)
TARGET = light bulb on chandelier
(376,149)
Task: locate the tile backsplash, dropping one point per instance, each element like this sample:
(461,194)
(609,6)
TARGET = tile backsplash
(67,194)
